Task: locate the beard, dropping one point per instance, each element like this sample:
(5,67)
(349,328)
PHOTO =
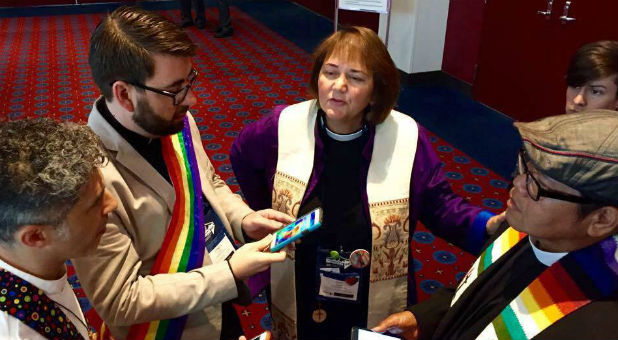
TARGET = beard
(147,119)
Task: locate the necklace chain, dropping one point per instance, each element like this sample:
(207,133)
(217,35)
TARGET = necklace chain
(83,322)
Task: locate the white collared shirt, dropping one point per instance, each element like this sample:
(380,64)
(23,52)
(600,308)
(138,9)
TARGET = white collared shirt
(546,257)
(57,290)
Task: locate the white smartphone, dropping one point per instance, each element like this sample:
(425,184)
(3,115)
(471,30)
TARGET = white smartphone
(365,334)
(296,229)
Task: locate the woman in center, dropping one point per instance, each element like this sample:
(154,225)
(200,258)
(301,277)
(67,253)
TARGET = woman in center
(373,172)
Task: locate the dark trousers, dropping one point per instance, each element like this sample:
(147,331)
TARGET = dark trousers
(200,15)
(185,10)
(230,325)
(224,13)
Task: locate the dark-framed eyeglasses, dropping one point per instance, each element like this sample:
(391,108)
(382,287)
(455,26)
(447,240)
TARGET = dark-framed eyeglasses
(178,96)
(535,191)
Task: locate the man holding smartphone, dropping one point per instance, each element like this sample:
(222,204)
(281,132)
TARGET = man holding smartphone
(167,264)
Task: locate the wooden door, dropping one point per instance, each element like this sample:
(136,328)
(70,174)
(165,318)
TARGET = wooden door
(524,54)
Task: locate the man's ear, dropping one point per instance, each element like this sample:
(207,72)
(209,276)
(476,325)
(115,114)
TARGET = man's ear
(34,235)
(603,222)
(122,94)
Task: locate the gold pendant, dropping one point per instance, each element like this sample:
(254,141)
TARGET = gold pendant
(319,315)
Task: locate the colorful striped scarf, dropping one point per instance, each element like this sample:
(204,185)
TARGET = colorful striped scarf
(184,243)
(578,278)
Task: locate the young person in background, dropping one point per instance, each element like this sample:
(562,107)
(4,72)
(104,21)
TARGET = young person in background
(592,78)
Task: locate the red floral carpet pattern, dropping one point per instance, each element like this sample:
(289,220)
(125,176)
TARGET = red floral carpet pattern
(44,72)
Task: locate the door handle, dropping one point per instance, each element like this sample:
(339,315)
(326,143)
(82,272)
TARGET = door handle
(565,13)
(547,12)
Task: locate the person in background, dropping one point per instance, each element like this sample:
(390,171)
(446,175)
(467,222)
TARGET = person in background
(53,206)
(186,17)
(551,271)
(223,30)
(167,266)
(592,78)
(374,173)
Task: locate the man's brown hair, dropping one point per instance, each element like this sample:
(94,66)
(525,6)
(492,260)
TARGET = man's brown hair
(122,45)
(363,43)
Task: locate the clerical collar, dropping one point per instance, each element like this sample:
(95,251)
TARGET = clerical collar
(545,257)
(342,137)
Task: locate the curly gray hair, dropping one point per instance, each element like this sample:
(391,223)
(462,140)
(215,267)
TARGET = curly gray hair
(43,166)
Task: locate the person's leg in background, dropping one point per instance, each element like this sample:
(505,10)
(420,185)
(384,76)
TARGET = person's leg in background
(186,19)
(225,22)
(200,14)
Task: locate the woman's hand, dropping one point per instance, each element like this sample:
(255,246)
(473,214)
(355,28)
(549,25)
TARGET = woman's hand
(494,222)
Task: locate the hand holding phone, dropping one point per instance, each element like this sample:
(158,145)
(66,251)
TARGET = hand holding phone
(260,223)
(296,229)
(251,259)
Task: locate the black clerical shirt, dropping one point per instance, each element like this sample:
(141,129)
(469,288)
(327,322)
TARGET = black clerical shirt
(345,225)
(148,148)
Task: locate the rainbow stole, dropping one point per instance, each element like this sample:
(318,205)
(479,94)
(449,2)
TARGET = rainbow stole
(184,244)
(580,277)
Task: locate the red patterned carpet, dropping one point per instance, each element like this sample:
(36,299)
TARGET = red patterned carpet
(44,72)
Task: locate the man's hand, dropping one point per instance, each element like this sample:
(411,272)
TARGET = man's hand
(251,259)
(260,223)
(494,222)
(403,324)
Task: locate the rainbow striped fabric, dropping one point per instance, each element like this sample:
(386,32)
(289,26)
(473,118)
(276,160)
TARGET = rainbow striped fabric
(184,243)
(577,279)
(499,247)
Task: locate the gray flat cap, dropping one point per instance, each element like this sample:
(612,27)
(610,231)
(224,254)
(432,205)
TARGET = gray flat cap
(579,150)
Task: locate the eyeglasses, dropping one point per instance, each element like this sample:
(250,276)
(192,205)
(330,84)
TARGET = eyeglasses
(178,96)
(535,191)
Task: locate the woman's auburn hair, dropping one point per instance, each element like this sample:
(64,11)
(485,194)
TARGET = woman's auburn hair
(362,44)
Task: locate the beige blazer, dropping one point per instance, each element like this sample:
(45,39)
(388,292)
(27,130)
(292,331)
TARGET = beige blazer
(116,277)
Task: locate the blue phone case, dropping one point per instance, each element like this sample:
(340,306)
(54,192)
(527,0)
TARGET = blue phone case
(297,229)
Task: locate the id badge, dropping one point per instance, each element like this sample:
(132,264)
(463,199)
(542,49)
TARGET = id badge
(218,243)
(339,286)
(336,279)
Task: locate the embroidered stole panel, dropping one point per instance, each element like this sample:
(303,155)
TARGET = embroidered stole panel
(388,192)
